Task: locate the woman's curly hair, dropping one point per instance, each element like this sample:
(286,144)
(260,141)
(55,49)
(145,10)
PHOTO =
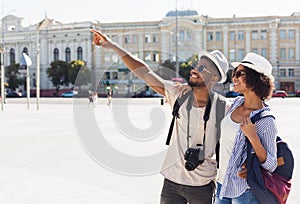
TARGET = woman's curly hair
(262,85)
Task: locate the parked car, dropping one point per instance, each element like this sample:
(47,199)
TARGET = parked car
(280,93)
(13,94)
(297,94)
(232,94)
(69,94)
(146,94)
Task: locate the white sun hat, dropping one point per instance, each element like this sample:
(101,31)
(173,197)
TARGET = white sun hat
(257,63)
(219,60)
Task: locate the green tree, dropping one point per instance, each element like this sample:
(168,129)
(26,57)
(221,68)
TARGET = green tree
(59,74)
(13,76)
(79,74)
(185,67)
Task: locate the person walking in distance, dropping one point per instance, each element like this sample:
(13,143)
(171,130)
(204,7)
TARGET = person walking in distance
(181,184)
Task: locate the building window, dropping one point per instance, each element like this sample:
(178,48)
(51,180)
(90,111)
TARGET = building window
(209,36)
(107,57)
(114,75)
(114,38)
(79,53)
(155,38)
(241,35)
(55,54)
(12,56)
(25,50)
(264,52)
(148,56)
(291,53)
(291,34)
(188,36)
(254,35)
(241,54)
(126,39)
(181,35)
(263,35)
(107,75)
(291,72)
(255,50)
(282,53)
(155,57)
(147,38)
(218,36)
(68,54)
(282,73)
(134,39)
(282,34)
(232,35)
(232,55)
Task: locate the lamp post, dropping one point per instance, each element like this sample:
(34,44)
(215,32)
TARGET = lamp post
(176,41)
(2,50)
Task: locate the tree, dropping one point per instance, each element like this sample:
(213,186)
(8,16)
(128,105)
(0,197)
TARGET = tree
(59,74)
(13,76)
(79,74)
(186,67)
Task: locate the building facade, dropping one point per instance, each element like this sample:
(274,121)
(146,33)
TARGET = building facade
(275,37)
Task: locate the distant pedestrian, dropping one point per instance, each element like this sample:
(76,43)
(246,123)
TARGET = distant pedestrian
(91,99)
(95,98)
(109,97)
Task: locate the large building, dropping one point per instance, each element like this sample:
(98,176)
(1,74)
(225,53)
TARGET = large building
(275,37)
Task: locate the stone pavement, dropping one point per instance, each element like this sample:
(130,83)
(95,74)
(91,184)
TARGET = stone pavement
(42,159)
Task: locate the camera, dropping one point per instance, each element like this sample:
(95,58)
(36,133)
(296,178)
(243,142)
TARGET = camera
(194,157)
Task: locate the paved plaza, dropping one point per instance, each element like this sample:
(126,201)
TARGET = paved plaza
(69,153)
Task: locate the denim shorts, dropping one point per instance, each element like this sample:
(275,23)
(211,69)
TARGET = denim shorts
(246,198)
(173,193)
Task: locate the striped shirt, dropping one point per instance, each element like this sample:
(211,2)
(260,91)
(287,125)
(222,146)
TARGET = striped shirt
(234,186)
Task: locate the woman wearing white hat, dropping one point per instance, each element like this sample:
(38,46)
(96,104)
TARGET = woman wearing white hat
(252,77)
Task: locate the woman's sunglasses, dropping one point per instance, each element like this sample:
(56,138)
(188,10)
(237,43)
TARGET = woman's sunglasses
(239,73)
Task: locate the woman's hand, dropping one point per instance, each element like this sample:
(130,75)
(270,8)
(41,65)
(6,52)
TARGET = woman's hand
(243,173)
(248,128)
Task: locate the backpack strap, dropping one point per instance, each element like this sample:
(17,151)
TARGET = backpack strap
(220,113)
(179,101)
(260,115)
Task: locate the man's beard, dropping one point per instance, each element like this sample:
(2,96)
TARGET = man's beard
(196,84)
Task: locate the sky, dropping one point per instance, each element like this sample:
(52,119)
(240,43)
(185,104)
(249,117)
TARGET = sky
(66,11)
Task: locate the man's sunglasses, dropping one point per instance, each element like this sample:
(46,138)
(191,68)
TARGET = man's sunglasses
(239,73)
(201,68)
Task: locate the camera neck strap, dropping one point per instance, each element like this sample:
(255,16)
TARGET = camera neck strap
(205,118)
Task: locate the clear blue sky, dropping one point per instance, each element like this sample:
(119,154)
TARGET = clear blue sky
(67,11)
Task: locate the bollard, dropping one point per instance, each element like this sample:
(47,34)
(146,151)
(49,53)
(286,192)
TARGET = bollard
(162,101)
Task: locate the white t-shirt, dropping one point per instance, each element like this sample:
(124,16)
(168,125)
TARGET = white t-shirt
(229,129)
(174,165)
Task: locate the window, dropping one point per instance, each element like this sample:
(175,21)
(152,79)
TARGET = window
(282,34)
(263,35)
(209,36)
(282,73)
(79,53)
(291,72)
(134,39)
(241,35)
(232,35)
(126,39)
(254,35)
(56,54)
(255,50)
(114,75)
(25,50)
(107,57)
(291,53)
(291,34)
(68,54)
(155,38)
(147,38)
(155,57)
(241,54)
(282,53)
(188,36)
(181,35)
(114,38)
(107,75)
(264,52)
(232,55)
(147,56)
(218,36)
(12,56)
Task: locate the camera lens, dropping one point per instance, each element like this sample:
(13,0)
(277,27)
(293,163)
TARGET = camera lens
(189,166)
